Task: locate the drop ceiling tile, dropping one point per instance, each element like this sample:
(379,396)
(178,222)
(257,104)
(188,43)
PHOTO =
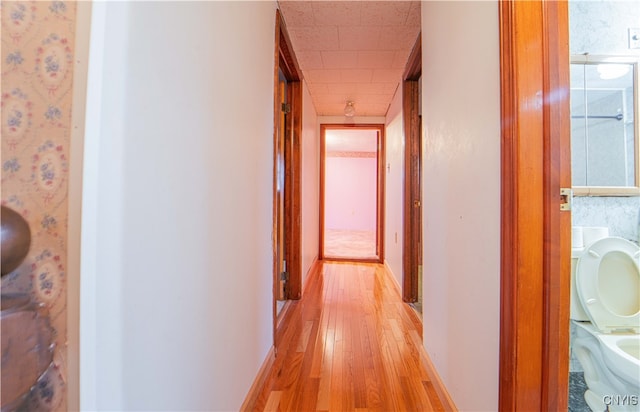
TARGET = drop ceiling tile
(356,75)
(359,37)
(322,76)
(415,15)
(339,59)
(314,38)
(400,59)
(386,13)
(329,109)
(330,99)
(297,13)
(309,60)
(375,109)
(317,88)
(340,13)
(398,37)
(371,99)
(375,59)
(378,88)
(386,76)
(342,88)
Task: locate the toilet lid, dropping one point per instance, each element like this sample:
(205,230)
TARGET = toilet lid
(608,284)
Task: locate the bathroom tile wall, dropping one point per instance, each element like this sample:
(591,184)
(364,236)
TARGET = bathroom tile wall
(602,28)
(619,214)
(37,77)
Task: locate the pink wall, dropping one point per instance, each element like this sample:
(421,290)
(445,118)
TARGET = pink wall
(350,193)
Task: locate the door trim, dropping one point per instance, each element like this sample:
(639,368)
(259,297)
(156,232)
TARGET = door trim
(284,59)
(535,234)
(380,211)
(412,216)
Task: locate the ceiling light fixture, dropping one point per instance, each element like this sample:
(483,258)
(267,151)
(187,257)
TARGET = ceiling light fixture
(349,109)
(608,71)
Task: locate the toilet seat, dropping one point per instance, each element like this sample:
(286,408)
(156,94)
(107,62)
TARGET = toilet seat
(608,284)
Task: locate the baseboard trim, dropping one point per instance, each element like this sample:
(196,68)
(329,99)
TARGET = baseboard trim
(393,276)
(438,385)
(312,268)
(251,399)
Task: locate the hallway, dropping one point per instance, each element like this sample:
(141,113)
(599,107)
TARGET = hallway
(351,345)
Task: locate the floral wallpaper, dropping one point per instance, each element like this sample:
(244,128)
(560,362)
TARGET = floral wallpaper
(37,54)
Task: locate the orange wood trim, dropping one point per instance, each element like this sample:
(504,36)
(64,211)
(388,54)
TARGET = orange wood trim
(291,68)
(381,192)
(557,241)
(412,216)
(413,69)
(534,238)
(249,404)
(276,123)
(285,58)
(293,197)
(323,154)
(522,207)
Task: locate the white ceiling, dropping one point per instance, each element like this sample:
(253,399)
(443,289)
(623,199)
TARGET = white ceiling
(352,50)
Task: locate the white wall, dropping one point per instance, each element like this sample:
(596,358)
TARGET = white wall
(461,198)
(174,150)
(310,183)
(394,186)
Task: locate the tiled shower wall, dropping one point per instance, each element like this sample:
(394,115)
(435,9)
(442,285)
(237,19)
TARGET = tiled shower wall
(37,79)
(620,214)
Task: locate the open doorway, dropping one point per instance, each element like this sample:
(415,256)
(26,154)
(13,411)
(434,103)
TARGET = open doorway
(351,192)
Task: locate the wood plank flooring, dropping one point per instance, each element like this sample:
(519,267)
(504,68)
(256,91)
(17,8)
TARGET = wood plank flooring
(350,244)
(351,345)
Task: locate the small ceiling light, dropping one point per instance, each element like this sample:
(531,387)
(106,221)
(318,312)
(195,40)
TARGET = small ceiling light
(608,71)
(349,109)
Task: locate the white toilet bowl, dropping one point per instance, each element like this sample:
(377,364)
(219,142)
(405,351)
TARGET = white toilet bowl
(607,282)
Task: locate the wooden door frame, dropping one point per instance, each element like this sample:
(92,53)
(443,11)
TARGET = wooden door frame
(380,211)
(285,60)
(412,216)
(535,234)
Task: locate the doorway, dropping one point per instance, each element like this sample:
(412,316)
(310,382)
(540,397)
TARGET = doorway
(287,199)
(351,192)
(412,196)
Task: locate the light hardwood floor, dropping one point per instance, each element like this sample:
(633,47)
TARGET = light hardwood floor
(350,244)
(351,345)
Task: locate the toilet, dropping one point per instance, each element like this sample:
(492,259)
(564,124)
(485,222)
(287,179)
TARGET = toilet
(605,308)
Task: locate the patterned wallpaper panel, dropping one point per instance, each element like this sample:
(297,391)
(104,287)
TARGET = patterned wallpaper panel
(37,77)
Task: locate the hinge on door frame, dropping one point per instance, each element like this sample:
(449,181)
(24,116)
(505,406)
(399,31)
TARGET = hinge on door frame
(286,108)
(284,275)
(566,195)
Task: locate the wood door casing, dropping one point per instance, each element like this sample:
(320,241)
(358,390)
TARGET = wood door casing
(535,234)
(412,191)
(285,61)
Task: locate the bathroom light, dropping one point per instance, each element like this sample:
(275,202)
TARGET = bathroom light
(610,71)
(349,109)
